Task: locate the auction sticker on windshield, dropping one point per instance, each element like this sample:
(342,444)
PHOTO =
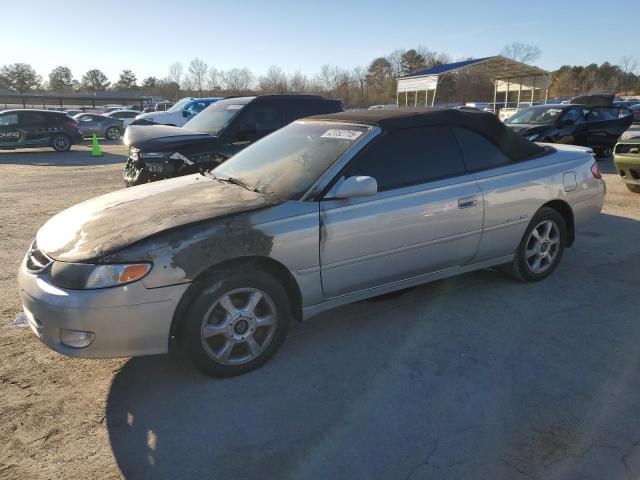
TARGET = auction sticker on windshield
(341,134)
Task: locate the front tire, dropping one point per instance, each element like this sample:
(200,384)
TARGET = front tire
(236,322)
(633,187)
(61,142)
(541,247)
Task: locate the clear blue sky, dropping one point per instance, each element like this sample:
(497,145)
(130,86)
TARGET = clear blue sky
(147,36)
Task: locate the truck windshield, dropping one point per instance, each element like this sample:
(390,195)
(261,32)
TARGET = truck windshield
(289,161)
(178,107)
(214,119)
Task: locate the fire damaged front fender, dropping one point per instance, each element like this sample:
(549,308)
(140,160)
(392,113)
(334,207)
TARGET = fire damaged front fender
(285,234)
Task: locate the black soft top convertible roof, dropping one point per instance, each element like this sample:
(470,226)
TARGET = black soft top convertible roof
(485,123)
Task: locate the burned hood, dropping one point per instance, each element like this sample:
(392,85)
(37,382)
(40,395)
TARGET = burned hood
(148,137)
(103,225)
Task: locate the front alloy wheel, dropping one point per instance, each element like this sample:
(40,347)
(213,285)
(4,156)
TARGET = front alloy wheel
(235,322)
(239,326)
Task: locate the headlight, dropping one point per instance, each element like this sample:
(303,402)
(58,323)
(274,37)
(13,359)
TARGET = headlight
(83,276)
(532,138)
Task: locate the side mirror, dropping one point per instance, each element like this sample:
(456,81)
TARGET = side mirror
(360,186)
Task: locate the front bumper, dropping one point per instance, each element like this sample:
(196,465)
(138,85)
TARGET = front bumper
(126,321)
(628,169)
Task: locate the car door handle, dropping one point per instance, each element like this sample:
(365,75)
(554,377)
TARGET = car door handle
(466,202)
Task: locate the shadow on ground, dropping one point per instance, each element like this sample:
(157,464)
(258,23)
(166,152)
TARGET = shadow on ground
(80,155)
(476,376)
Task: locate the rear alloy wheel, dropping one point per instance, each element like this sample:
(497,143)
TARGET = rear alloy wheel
(113,133)
(541,247)
(236,323)
(633,187)
(61,143)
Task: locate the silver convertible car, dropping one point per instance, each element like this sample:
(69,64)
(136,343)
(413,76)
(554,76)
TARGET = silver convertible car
(329,210)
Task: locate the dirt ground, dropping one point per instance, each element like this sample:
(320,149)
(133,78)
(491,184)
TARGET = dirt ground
(473,377)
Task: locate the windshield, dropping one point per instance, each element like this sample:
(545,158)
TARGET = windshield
(180,105)
(536,116)
(214,119)
(288,162)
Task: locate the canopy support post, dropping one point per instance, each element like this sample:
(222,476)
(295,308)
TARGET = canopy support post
(506,96)
(397,98)
(546,95)
(533,91)
(415,99)
(495,93)
(426,98)
(519,94)
(435,90)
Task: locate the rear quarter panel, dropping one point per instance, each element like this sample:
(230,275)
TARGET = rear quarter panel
(514,193)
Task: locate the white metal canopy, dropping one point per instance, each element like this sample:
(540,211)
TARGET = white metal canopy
(505,74)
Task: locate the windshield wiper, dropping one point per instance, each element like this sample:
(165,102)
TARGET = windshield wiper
(235,181)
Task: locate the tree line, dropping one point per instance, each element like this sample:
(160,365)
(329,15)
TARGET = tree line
(359,86)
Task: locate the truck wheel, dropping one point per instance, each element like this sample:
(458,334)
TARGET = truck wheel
(633,187)
(541,247)
(236,322)
(113,133)
(60,142)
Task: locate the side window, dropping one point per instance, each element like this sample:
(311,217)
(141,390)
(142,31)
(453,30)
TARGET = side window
(478,152)
(261,118)
(34,118)
(574,115)
(9,119)
(298,109)
(130,114)
(409,157)
(85,118)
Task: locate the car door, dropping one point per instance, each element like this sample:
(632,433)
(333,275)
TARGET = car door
(10,131)
(604,126)
(426,216)
(87,124)
(572,128)
(37,127)
(255,121)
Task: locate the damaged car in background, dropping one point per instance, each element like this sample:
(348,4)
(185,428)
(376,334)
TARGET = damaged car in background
(326,211)
(593,126)
(217,133)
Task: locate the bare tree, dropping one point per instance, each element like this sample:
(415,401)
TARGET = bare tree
(326,79)
(359,78)
(521,52)
(274,81)
(298,83)
(175,73)
(214,80)
(395,59)
(238,80)
(197,73)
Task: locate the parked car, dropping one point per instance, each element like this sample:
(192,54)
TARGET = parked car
(38,128)
(596,127)
(326,211)
(105,126)
(636,113)
(223,129)
(163,106)
(514,107)
(126,116)
(626,157)
(73,113)
(112,108)
(391,106)
(180,113)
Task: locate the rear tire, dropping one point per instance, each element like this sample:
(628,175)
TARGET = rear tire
(61,142)
(633,187)
(541,247)
(112,133)
(237,320)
